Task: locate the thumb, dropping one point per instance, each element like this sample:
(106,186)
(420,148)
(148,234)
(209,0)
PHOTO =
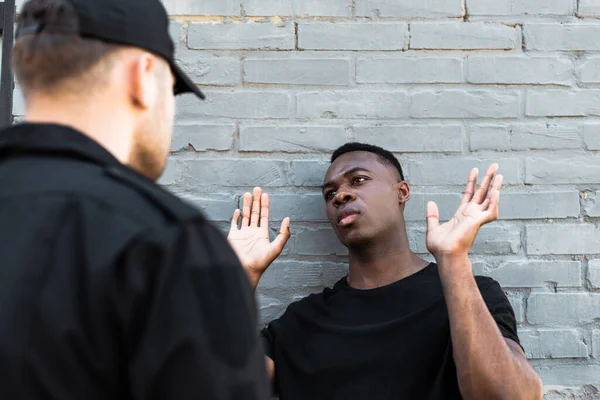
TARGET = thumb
(281,239)
(433,216)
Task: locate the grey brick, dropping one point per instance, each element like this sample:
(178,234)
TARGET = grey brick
(518,307)
(453,103)
(520,70)
(594,277)
(293,139)
(562,103)
(596,343)
(240,172)
(455,171)
(19,106)
(591,204)
(216,207)
(416,207)
(556,392)
(170,174)
(296,274)
(410,69)
(236,104)
(588,8)
(352,35)
(490,240)
(203,137)
(462,36)
(561,36)
(570,171)
(358,105)
(177,33)
(318,242)
(572,375)
(588,70)
(563,308)
(241,36)
(409,138)
(532,273)
(270,307)
(562,239)
(298,71)
(218,71)
(409,8)
(299,207)
(309,173)
(539,205)
(325,8)
(531,136)
(552,343)
(591,136)
(207,7)
(520,7)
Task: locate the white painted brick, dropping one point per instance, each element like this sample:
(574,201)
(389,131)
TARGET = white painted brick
(532,273)
(409,8)
(297,71)
(453,103)
(552,343)
(463,36)
(318,242)
(589,8)
(217,71)
(562,36)
(591,204)
(294,139)
(216,207)
(352,35)
(309,173)
(195,7)
(572,375)
(236,104)
(589,70)
(203,137)
(410,69)
(520,70)
(562,103)
(518,307)
(245,173)
(571,171)
(563,308)
(241,36)
(493,240)
(596,343)
(409,138)
(352,104)
(563,239)
(520,7)
(325,8)
(531,136)
(591,135)
(594,276)
(293,274)
(455,171)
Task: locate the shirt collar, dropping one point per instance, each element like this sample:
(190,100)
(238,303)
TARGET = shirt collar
(53,139)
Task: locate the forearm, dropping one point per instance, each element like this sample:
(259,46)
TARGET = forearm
(486,366)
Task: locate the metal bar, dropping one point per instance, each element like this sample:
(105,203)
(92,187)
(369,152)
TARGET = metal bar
(6,74)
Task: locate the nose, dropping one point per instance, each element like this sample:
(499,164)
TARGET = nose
(342,197)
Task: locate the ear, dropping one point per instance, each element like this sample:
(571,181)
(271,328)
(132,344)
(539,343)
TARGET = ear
(143,75)
(403,192)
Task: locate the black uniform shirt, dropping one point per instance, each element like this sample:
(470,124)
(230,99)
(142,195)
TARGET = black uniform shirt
(110,287)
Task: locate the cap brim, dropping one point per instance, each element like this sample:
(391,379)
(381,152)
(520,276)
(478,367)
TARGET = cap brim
(183,83)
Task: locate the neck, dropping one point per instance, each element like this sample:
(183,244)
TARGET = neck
(382,262)
(108,126)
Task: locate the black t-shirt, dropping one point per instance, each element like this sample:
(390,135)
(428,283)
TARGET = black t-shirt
(392,342)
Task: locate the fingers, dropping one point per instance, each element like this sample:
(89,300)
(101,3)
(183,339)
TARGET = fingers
(470,190)
(493,200)
(482,192)
(234,220)
(246,209)
(255,214)
(433,216)
(283,237)
(264,211)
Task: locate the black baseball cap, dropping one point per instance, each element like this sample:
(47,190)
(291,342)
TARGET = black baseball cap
(139,23)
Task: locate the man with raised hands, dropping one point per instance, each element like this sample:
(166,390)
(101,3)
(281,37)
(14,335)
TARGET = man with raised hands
(397,326)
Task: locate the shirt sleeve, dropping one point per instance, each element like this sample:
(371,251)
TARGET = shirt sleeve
(189,320)
(501,309)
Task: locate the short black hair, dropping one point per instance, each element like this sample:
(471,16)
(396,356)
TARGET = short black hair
(385,156)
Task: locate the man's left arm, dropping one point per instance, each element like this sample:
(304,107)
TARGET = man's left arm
(488,365)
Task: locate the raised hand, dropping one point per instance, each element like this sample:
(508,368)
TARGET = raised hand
(251,242)
(477,208)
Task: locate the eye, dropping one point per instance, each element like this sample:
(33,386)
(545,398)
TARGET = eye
(328,195)
(359,179)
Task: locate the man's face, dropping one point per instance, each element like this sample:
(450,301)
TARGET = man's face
(152,141)
(362,198)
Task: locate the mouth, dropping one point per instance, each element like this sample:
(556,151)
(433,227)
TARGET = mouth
(346,218)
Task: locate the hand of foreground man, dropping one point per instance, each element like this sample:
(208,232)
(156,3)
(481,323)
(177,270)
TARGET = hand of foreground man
(251,242)
(477,208)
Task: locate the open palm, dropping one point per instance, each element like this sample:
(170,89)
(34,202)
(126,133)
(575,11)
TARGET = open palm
(476,209)
(251,241)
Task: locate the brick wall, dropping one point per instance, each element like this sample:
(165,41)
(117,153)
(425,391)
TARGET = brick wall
(445,84)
